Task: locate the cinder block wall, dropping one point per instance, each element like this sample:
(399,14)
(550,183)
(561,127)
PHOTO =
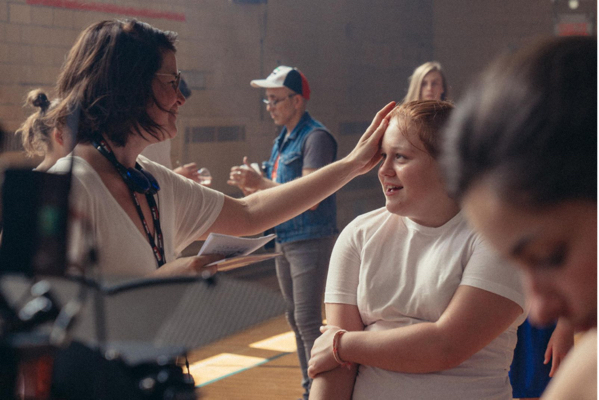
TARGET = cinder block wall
(356,54)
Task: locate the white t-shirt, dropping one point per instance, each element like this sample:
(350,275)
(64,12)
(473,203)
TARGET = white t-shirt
(159,153)
(400,273)
(186,209)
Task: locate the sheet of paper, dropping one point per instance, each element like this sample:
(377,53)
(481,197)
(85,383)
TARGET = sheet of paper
(231,246)
(241,261)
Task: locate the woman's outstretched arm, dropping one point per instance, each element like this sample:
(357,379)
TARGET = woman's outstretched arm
(264,209)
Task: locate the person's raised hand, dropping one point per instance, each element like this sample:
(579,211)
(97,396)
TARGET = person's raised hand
(189,171)
(245,177)
(561,341)
(367,152)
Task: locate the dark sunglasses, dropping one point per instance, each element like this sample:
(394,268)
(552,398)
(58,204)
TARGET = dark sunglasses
(177,80)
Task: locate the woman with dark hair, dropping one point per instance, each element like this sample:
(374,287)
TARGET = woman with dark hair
(521,157)
(122,77)
(418,306)
(39,138)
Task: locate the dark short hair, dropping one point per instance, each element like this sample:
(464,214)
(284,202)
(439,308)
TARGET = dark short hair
(108,74)
(529,126)
(428,117)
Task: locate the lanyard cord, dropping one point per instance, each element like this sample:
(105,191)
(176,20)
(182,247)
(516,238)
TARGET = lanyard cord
(158,250)
(150,187)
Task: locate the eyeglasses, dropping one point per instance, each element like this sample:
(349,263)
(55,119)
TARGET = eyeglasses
(273,103)
(176,82)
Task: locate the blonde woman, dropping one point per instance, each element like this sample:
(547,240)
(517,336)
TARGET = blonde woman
(427,83)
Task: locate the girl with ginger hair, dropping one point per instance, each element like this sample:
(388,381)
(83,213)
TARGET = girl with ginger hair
(418,305)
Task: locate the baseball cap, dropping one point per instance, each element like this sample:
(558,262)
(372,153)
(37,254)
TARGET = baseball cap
(284,76)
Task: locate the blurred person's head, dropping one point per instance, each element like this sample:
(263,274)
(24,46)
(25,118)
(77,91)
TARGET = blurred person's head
(287,91)
(427,83)
(409,173)
(123,77)
(39,135)
(521,155)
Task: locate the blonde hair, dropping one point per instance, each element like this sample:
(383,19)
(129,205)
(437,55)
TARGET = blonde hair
(417,78)
(36,131)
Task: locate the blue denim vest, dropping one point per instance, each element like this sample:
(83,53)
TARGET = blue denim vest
(315,224)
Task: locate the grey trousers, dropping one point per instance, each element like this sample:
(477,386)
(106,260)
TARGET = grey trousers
(302,273)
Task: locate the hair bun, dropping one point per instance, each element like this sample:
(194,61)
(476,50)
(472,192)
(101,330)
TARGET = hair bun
(42,101)
(38,98)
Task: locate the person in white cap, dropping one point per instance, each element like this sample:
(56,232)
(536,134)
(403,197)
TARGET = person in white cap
(306,241)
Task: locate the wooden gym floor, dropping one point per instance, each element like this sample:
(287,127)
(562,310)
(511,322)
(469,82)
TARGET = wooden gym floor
(257,363)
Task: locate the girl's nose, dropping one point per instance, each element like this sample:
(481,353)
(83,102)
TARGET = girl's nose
(386,167)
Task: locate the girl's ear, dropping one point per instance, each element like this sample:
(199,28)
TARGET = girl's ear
(57,136)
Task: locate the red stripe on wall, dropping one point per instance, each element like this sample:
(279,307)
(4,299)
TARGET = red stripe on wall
(109,8)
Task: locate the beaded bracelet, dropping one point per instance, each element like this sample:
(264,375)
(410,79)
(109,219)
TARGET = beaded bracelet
(336,339)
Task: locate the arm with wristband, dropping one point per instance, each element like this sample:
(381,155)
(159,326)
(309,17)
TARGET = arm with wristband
(338,383)
(336,345)
(463,329)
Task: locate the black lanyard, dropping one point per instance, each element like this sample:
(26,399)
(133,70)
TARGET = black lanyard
(157,249)
(148,187)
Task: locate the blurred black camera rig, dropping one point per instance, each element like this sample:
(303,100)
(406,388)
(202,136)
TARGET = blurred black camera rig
(37,358)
